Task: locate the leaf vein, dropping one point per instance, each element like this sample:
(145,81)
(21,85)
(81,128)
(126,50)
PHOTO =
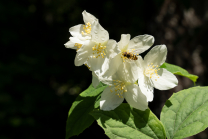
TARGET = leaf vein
(148,126)
(133,127)
(188,115)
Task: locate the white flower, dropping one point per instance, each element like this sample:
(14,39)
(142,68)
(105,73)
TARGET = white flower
(150,75)
(94,48)
(129,51)
(98,51)
(81,33)
(122,85)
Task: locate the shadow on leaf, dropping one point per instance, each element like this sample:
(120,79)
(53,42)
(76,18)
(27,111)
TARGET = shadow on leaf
(168,103)
(142,117)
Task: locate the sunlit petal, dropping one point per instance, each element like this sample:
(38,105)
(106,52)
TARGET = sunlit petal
(135,97)
(96,63)
(76,40)
(99,34)
(128,72)
(141,43)
(165,80)
(87,17)
(146,87)
(70,44)
(109,100)
(112,49)
(113,66)
(123,43)
(75,30)
(82,54)
(157,55)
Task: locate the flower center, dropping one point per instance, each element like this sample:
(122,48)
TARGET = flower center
(151,71)
(99,50)
(87,29)
(78,45)
(129,55)
(119,88)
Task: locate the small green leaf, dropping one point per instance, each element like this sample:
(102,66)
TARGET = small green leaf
(179,71)
(126,122)
(79,118)
(186,113)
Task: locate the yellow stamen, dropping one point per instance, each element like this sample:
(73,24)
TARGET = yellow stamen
(151,71)
(78,45)
(87,29)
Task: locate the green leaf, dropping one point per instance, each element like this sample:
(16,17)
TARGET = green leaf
(126,122)
(179,71)
(186,113)
(78,117)
(97,101)
(91,91)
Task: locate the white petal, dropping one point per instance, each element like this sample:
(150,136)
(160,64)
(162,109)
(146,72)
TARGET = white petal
(80,60)
(75,30)
(99,34)
(141,65)
(109,101)
(96,63)
(141,43)
(146,87)
(87,17)
(157,55)
(107,81)
(165,81)
(135,97)
(112,49)
(112,66)
(70,44)
(123,43)
(128,72)
(104,67)
(82,54)
(76,40)
(95,80)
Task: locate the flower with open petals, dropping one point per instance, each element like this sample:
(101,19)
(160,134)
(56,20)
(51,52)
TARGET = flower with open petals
(94,48)
(98,51)
(81,33)
(150,75)
(122,85)
(129,51)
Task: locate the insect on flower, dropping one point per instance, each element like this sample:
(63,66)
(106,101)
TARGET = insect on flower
(129,52)
(130,55)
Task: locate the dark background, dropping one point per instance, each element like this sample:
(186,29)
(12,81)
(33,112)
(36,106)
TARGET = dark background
(38,79)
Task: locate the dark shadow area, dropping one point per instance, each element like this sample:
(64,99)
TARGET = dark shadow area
(168,103)
(143,120)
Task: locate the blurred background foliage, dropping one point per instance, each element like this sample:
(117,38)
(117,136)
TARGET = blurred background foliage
(38,79)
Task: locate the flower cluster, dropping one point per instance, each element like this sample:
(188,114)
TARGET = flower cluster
(119,65)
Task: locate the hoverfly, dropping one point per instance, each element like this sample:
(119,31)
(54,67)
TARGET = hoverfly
(130,55)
